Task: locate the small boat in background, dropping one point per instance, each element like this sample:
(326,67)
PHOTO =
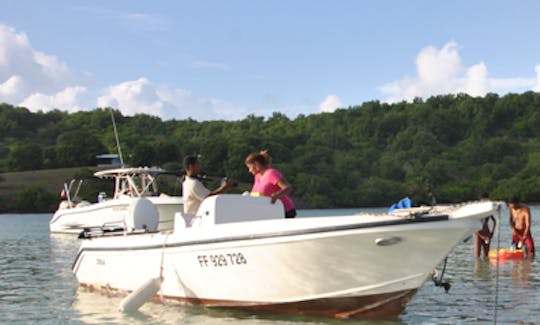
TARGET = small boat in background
(74,214)
(240,252)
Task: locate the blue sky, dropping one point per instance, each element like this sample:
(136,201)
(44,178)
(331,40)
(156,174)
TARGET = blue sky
(210,60)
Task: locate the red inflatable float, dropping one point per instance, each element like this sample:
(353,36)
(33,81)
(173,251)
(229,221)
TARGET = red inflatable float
(506,254)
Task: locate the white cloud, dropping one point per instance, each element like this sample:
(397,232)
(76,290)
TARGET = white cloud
(435,67)
(67,99)
(330,104)
(34,79)
(132,97)
(537,85)
(11,86)
(476,81)
(51,66)
(442,72)
(511,83)
(142,96)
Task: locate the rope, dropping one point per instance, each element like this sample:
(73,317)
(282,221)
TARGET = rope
(163,255)
(161,264)
(496,298)
(438,282)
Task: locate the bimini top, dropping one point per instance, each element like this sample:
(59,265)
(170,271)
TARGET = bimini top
(134,181)
(129,171)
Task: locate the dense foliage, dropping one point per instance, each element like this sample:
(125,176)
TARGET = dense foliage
(451,147)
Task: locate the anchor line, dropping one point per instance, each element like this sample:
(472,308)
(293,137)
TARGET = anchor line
(496,294)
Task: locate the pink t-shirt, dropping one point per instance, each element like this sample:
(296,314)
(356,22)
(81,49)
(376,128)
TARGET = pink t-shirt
(267,184)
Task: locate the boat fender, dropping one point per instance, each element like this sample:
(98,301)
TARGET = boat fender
(141,295)
(141,214)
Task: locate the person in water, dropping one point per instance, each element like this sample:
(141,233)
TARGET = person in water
(482,237)
(520,223)
(269,181)
(193,190)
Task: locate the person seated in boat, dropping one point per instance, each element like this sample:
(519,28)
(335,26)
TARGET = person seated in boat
(193,190)
(520,223)
(482,237)
(269,181)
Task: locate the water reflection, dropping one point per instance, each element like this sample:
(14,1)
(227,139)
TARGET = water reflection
(94,308)
(521,272)
(63,248)
(91,307)
(482,269)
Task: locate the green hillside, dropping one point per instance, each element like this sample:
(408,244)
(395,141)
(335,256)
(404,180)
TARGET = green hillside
(451,148)
(51,180)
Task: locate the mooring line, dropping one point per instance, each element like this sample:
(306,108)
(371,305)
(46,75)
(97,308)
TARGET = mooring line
(496,298)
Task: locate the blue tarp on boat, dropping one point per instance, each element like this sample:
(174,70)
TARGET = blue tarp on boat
(402,204)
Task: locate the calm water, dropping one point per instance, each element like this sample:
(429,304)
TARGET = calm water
(37,286)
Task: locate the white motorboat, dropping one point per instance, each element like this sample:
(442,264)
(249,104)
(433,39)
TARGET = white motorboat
(73,214)
(240,252)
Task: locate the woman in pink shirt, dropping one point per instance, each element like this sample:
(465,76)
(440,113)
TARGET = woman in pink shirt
(269,181)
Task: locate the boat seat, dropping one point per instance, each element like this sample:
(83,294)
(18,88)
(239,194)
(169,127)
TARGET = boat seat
(227,208)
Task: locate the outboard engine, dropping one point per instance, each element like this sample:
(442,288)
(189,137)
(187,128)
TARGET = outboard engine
(141,214)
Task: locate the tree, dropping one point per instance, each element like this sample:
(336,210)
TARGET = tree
(77,148)
(25,156)
(451,146)
(166,151)
(35,199)
(143,154)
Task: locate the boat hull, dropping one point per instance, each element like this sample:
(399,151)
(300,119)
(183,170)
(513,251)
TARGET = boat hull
(351,269)
(388,305)
(111,212)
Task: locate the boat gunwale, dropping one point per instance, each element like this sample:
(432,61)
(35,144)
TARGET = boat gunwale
(276,234)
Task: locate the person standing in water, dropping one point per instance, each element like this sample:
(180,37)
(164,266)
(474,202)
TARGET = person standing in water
(269,181)
(482,237)
(520,223)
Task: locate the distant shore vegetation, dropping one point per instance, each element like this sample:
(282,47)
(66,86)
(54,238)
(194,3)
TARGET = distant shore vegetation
(447,148)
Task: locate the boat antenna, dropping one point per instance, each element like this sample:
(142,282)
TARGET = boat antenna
(117,140)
